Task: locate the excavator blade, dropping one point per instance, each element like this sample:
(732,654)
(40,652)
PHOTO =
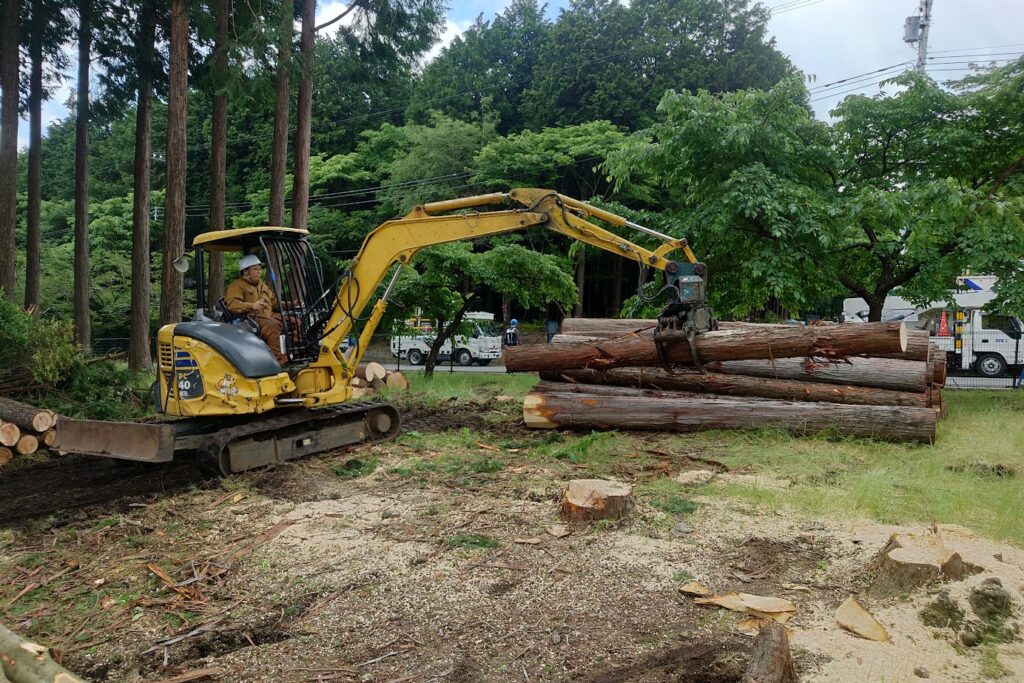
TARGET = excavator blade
(125,440)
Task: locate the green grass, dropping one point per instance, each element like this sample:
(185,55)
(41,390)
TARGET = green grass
(353,469)
(668,496)
(466,386)
(892,483)
(473,542)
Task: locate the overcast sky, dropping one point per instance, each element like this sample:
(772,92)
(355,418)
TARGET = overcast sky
(829,40)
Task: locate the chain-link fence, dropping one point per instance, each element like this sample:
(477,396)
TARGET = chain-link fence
(973,381)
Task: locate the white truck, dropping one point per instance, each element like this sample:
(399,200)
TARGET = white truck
(988,343)
(481,346)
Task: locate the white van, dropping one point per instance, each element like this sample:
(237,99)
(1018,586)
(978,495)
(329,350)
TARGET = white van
(480,347)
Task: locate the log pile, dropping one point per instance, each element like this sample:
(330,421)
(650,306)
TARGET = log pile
(874,380)
(23,429)
(372,377)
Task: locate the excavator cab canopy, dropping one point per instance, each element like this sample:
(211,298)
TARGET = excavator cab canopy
(243,239)
(292,270)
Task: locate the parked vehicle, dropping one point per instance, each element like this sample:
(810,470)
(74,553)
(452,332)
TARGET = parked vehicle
(986,342)
(481,346)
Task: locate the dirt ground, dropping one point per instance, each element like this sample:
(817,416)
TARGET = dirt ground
(413,561)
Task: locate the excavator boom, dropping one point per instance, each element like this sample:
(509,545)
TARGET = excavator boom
(243,410)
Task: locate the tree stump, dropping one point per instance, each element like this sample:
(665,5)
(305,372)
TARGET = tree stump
(908,562)
(592,499)
(771,661)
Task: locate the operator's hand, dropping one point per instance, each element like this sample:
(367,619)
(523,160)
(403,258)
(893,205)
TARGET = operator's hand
(262,306)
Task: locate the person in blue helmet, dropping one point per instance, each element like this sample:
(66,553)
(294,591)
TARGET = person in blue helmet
(512,333)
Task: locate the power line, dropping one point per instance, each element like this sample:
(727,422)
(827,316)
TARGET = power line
(866,73)
(784,7)
(868,85)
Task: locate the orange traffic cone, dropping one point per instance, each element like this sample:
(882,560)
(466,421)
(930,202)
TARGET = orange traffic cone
(943,326)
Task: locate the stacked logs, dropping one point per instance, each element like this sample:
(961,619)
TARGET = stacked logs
(23,429)
(872,380)
(373,377)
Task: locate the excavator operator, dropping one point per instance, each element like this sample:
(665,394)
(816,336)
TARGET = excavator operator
(249,295)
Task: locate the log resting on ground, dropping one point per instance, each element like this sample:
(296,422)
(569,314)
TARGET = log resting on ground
(771,661)
(26,416)
(23,660)
(595,407)
(882,373)
(740,385)
(741,343)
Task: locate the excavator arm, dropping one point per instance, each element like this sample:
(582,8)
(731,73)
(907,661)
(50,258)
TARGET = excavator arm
(397,242)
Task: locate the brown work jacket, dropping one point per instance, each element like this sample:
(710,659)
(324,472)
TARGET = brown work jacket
(241,297)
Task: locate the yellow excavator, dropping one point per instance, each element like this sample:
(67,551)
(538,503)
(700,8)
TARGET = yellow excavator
(239,408)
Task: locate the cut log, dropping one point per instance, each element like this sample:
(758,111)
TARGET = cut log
(23,660)
(359,383)
(5,455)
(370,371)
(919,346)
(586,407)
(48,437)
(740,385)
(9,433)
(26,416)
(27,444)
(881,373)
(360,392)
(771,661)
(939,370)
(397,380)
(741,343)
(377,384)
(607,328)
(591,499)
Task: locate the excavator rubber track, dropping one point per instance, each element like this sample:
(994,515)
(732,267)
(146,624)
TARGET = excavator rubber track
(229,445)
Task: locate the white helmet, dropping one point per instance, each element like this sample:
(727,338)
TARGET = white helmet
(248,261)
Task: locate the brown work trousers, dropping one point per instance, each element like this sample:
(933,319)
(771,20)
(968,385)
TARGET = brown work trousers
(271,328)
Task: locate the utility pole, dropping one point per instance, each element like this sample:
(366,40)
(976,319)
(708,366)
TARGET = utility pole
(915,30)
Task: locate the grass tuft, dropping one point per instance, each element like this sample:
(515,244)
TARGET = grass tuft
(354,468)
(472,542)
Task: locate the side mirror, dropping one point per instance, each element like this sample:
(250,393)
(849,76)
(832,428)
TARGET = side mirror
(181,264)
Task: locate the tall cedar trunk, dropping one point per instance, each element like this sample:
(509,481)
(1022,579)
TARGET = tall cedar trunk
(303,118)
(138,346)
(8,143)
(83,324)
(35,156)
(740,343)
(581,274)
(218,150)
(177,118)
(279,145)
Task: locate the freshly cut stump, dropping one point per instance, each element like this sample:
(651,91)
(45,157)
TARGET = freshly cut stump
(910,561)
(771,661)
(591,499)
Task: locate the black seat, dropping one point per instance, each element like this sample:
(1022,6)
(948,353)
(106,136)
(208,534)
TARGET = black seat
(242,348)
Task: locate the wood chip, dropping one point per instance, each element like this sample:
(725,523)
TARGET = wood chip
(855,619)
(557,530)
(695,588)
(532,540)
(779,609)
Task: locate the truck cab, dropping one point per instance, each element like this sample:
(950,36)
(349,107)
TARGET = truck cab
(988,343)
(480,346)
